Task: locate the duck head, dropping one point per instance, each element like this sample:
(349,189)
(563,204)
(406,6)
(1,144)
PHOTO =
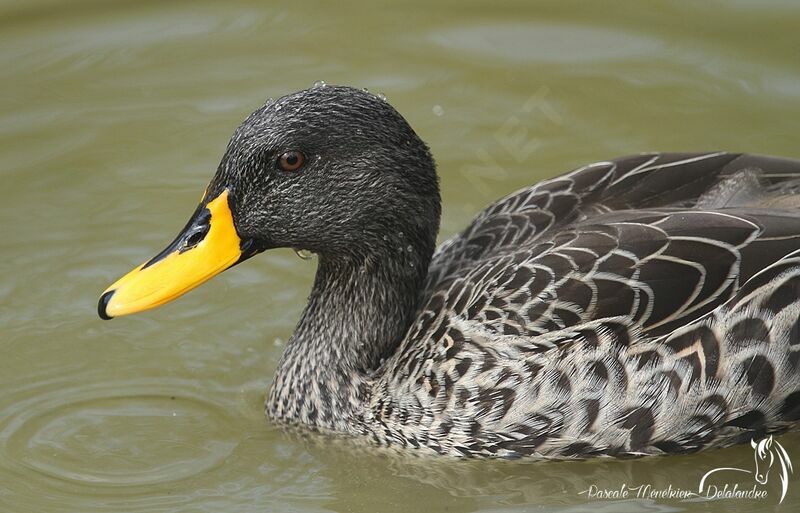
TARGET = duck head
(333,170)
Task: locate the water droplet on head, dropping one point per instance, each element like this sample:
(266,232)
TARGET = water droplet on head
(303,253)
(410,248)
(318,84)
(381,96)
(411,264)
(386,238)
(438,110)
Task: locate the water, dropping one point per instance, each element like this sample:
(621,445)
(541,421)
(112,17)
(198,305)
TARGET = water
(113,117)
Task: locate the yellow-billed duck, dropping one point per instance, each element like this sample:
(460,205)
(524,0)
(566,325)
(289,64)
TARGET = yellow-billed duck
(643,305)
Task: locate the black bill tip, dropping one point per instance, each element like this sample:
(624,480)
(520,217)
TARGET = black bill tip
(102,304)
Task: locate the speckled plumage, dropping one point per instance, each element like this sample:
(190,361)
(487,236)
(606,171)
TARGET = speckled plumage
(546,331)
(644,305)
(584,317)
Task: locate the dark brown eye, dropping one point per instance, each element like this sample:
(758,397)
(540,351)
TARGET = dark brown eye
(291,161)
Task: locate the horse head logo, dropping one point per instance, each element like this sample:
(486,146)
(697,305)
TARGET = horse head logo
(766,452)
(764,459)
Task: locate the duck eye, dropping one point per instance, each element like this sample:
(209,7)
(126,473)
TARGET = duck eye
(291,161)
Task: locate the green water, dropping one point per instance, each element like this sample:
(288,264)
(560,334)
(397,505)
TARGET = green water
(113,117)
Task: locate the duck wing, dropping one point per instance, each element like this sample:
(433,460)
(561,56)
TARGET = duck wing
(612,239)
(634,182)
(659,269)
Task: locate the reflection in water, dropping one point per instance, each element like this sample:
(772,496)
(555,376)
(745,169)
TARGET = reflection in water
(383,479)
(113,117)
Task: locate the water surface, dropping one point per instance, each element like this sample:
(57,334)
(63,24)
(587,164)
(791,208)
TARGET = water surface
(113,117)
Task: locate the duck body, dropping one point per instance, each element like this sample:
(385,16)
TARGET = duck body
(595,314)
(644,305)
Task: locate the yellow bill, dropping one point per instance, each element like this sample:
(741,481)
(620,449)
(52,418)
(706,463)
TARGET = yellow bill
(207,246)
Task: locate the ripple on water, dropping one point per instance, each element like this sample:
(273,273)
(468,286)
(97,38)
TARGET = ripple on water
(548,43)
(124,433)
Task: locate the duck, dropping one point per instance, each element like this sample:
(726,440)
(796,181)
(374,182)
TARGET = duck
(644,305)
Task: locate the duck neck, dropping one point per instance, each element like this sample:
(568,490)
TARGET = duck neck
(357,314)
